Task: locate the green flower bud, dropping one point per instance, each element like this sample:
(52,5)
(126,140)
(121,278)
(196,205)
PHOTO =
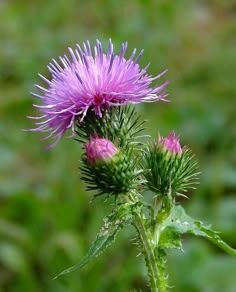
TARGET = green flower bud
(108,169)
(169,168)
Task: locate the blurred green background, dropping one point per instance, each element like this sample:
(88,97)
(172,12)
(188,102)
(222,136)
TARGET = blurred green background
(46,220)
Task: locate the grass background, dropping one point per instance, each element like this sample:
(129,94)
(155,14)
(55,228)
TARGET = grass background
(46,221)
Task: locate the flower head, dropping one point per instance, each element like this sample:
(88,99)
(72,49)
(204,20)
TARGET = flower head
(171,143)
(91,81)
(100,150)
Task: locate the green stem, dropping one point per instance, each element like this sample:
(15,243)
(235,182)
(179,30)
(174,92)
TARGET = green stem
(148,253)
(156,230)
(154,261)
(154,257)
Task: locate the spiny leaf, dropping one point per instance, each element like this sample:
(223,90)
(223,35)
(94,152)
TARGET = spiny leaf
(179,223)
(112,224)
(213,236)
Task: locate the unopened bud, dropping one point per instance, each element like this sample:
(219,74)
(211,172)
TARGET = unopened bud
(167,167)
(170,143)
(108,169)
(100,150)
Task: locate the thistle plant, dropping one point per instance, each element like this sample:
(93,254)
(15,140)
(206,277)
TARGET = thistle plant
(90,94)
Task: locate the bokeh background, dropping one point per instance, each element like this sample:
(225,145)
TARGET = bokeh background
(46,220)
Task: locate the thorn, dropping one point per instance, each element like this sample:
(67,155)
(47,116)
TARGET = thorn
(134,238)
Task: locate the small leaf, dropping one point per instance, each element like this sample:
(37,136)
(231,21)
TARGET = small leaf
(112,224)
(179,223)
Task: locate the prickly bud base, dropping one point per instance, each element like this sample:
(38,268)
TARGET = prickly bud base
(116,176)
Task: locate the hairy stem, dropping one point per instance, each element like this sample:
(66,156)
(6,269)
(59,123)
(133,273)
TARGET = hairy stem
(154,257)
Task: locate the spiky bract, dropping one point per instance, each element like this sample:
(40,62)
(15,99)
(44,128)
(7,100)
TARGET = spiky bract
(121,125)
(165,173)
(117,176)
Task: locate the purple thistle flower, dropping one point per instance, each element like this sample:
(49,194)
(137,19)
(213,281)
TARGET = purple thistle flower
(99,150)
(91,81)
(171,143)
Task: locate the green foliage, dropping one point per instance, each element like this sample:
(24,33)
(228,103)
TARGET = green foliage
(112,224)
(179,223)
